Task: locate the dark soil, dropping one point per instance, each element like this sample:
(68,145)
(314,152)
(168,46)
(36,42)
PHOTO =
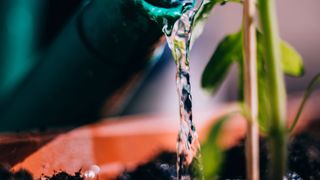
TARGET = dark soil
(303,162)
(62,175)
(304,154)
(22,174)
(162,167)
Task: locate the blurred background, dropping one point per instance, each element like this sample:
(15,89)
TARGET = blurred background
(30,26)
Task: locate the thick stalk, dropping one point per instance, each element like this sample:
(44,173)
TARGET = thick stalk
(251,88)
(276,89)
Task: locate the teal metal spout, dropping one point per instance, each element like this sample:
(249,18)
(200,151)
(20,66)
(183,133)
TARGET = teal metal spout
(165,10)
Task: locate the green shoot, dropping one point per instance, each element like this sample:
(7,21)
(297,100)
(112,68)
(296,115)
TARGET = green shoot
(275,91)
(228,52)
(311,87)
(212,153)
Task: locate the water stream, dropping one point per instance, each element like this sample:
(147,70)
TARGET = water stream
(188,146)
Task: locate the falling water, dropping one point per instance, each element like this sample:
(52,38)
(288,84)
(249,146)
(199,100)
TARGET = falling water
(188,146)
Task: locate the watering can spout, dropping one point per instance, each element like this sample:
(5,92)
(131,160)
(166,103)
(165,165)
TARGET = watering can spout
(165,10)
(104,44)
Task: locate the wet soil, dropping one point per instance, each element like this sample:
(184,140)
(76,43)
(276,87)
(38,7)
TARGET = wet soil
(23,174)
(303,161)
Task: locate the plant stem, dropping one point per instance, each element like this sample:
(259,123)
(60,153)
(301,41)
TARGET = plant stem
(276,89)
(251,88)
(311,87)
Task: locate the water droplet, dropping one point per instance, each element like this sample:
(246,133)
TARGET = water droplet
(164,166)
(92,173)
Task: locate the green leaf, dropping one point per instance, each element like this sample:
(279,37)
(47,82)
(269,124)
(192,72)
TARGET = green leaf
(207,6)
(212,158)
(292,63)
(311,87)
(228,51)
(203,14)
(212,154)
(204,11)
(201,18)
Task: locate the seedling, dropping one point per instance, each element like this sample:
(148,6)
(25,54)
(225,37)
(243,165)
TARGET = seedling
(263,59)
(274,58)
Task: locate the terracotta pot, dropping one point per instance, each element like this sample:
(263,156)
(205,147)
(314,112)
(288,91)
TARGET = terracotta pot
(122,143)
(115,144)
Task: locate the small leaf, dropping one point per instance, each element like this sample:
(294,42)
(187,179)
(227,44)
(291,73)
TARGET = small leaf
(212,154)
(204,10)
(212,158)
(207,6)
(292,63)
(203,14)
(229,51)
(226,53)
(311,87)
(215,131)
(201,18)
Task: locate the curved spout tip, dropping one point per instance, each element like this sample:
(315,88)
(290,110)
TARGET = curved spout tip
(159,10)
(168,3)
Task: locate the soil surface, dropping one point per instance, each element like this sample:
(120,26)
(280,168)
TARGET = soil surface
(65,176)
(303,161)
(22,174)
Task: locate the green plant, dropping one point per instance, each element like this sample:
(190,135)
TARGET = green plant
(263,59)
(274,57)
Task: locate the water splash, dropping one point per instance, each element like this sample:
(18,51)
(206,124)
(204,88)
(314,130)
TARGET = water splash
(179,37)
